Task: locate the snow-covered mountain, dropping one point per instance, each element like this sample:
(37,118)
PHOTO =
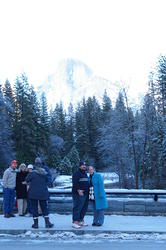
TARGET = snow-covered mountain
(74,80)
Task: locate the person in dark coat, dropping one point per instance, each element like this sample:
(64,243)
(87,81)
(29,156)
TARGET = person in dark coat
(80,193)
(21,190)
(97,196)
(40,162)
(38,191)
(49,175)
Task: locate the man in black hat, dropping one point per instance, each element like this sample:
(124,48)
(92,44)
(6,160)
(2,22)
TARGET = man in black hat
(80,193)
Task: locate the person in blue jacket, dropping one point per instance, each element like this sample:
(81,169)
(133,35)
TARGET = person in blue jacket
(97,196)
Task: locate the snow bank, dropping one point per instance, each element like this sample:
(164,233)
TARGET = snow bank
(68,237)
(65,181)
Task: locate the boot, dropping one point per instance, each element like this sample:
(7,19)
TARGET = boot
(48,224)
(7,215)
(35,225)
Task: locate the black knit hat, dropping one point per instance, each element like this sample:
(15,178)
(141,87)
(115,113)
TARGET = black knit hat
(82,163)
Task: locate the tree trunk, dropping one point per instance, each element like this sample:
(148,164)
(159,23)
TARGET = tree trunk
(131,128)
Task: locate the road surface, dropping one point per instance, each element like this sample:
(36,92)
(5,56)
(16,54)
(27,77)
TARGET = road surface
(31,244)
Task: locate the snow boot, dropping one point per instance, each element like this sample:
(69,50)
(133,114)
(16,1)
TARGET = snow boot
(35,225)
(7,215)
(48,224)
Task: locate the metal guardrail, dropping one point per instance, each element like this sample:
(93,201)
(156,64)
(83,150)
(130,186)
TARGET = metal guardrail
(154,193)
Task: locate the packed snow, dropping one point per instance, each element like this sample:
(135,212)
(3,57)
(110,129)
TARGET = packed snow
(113,223)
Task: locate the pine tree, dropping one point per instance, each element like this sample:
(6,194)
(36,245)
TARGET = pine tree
(131,130)
(148,145)
(6,143)
(9,101)
(57,131)
(43,134)
(73,156)
(158,92)
(82,138)
(54,158)
(160,84)
(70,130)
(25,120)
(93,122)
(114,146)
(106,108)
(58,126)
(65,166)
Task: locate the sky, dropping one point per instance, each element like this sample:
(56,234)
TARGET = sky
(120,40)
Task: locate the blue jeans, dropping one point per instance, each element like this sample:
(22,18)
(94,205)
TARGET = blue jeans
(8,200)
(98,215)
(80,206)
(34,207)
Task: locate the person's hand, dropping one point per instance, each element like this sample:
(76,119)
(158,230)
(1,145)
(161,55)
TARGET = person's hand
(80,192)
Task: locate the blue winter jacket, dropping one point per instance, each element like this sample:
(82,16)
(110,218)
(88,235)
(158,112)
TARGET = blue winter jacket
(37,181)
(99,192)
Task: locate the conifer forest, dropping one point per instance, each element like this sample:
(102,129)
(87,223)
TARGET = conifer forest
(110,136)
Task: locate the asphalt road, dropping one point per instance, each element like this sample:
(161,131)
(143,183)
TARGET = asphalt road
(19,244)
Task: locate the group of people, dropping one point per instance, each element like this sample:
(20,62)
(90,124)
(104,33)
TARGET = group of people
(30,185)
(14,183)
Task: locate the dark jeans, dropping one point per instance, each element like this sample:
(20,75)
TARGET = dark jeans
(80,206)
(29,209)
(43,205)
(8,200)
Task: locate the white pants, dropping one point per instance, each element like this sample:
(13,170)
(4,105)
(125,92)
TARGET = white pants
(22,206)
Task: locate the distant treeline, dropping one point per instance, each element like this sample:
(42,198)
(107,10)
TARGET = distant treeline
(131,143)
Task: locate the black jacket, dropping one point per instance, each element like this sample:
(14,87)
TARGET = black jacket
(37,181)
(80,181)
(21,189)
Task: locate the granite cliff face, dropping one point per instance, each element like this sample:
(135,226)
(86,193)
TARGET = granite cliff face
(74,80)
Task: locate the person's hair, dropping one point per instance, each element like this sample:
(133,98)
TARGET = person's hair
(91,167)
(22,165)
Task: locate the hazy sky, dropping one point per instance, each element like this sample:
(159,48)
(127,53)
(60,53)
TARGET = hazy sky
(118,39)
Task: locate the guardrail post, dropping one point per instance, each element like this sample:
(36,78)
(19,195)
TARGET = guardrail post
(156,197)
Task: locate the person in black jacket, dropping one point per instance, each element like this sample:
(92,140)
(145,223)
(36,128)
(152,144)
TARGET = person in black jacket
(38,191)
(21,190)
(80,193)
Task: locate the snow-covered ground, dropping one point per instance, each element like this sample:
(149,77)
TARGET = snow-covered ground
(113,223)
(110,177)
(65,181)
